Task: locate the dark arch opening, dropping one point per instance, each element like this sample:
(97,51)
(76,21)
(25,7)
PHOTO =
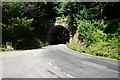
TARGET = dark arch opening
(58,35)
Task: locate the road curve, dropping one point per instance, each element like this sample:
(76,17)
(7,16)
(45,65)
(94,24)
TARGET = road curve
(56,61)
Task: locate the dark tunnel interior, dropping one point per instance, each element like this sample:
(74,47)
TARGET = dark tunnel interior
(59,35)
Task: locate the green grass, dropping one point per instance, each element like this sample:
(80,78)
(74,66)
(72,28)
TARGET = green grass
(98,49)
(5,49)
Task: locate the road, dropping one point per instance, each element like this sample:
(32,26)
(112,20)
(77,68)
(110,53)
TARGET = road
(56,61)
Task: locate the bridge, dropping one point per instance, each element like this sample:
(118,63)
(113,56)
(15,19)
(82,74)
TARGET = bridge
(62,25)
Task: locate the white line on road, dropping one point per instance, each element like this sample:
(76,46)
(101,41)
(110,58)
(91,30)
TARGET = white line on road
(50,63)
(60,70)
(70,76)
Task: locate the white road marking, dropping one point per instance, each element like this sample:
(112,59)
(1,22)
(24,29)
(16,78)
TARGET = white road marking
(70,76)
(50,63)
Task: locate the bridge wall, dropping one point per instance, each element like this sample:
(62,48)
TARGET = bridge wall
(73,36)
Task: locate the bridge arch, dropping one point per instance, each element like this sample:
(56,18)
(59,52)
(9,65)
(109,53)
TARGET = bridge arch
(58,34)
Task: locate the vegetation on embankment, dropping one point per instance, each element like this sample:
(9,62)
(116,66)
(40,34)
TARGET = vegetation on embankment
(98,49)
(101,29)
(96,41)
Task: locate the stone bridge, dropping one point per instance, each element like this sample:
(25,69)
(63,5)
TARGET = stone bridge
(62,24)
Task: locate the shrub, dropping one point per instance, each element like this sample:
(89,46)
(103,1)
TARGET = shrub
(90,30)
(96,41)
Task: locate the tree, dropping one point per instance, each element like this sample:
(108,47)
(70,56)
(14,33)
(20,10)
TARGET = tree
(18,31)
(25,22)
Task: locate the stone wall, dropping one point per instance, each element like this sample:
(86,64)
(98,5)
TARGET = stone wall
(77,39)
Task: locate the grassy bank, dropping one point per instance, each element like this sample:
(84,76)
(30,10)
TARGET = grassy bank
(99,49)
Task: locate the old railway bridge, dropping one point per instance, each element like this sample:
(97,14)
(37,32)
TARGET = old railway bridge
(62,32)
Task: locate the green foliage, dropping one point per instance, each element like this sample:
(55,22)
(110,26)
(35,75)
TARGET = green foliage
(17,29)
(97,42)
(5,49)
(113,26)
(100,31)
(32,44)
(24,22)
(103,49)
(90,30)
(61,20)
(11,9)
(41,44)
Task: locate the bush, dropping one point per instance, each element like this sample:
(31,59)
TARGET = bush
(98,49)
(96,41)
(90,30)
(5,49)
(18,31)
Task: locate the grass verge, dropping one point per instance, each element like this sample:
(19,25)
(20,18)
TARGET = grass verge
(99,49)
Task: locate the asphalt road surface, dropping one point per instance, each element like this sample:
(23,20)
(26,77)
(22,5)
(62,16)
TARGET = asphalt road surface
(56,61)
